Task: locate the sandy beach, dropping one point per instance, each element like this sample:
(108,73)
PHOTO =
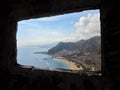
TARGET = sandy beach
(73,66)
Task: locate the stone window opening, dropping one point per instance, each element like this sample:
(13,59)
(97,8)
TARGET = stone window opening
(87,61)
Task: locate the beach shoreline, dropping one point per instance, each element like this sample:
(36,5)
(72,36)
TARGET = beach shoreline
(72,65)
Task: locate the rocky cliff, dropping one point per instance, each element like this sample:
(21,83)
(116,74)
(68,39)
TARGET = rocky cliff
(83,52)
(83,46)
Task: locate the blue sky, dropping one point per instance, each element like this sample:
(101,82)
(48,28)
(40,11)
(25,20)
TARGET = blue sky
(66,27)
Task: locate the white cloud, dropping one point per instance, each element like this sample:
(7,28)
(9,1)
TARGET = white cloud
(86,27)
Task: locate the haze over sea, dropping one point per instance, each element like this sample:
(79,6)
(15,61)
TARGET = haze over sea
(26,56)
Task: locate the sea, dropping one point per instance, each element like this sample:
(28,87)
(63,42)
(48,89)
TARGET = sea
(26,56)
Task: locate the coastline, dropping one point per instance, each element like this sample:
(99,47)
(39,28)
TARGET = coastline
(72,65)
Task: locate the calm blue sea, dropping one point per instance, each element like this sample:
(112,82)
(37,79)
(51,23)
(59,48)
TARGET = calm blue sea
(26,56)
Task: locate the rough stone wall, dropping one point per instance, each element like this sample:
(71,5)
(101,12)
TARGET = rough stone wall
(41,8)
(110,36)
(35,79)
(110,30)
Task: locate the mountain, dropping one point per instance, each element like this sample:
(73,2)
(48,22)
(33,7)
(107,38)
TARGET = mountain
(92,45)
(83,52)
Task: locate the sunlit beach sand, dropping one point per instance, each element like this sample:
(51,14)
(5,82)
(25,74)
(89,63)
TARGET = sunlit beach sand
(73,65)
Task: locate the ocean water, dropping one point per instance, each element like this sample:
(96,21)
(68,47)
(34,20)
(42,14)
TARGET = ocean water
(26,56)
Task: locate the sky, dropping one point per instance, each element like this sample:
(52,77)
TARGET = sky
(61,28)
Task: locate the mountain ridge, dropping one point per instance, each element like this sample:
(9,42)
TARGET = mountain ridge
(83,52)
(92,44)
